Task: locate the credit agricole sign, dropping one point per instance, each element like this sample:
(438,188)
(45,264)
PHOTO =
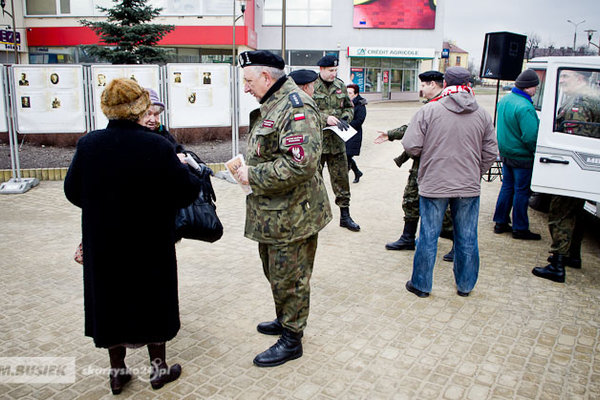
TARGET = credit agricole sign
(391,52)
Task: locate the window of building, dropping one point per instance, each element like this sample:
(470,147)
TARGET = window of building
(298,12)
(458,60)
(402,73)
(305,57)
(47,7)
(578,102)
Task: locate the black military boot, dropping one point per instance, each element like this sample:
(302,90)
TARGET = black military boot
(288,347)
(270,327)
(573,261)
(357,172)
(346,221)
(555,271)
(407,240)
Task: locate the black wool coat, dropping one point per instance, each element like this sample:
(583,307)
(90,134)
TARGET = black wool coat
(360,113)
(129,184)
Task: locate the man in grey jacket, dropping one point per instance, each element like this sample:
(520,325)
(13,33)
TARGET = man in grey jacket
(456,142)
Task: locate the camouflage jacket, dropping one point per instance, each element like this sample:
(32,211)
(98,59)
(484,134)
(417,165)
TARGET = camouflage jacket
(580,115)
(333,100)
(289,201)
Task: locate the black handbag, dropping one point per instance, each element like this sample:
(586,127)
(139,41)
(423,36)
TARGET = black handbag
(199,220)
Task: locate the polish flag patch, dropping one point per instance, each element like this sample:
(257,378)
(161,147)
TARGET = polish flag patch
(298,117)
(575,109)
(338,91)
(267,123)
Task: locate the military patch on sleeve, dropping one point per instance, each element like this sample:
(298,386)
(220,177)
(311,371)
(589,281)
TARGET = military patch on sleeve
(299,117)
(267,123)
(296,100)
(292,140)
(297,153)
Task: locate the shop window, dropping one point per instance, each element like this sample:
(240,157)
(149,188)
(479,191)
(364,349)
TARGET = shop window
(373,62)
(357,62)
(305,57)
(298,12)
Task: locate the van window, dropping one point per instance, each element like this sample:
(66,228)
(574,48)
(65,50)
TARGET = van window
(539,94)
(577,110)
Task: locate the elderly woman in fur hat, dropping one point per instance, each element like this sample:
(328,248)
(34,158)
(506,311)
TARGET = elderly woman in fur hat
(129,185)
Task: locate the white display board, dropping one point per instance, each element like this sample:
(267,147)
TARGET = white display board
(199,95)
(49,99)
(3,116)
(146,75)
(247,101)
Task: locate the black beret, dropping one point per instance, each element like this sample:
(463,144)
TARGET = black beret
(262,58)
(328,61)
(429,76)
(303,76)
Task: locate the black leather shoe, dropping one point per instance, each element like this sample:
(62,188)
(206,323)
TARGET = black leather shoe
(402,244)
(449,256)
(118,379)
(165,375)
(526,235)
(270,327)
(501,228)
(357,176)
(414,290)
(288,347)
(462,294)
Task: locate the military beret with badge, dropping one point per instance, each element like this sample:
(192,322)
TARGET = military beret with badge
(431,76)
(262,58)
(328,61)
(303,76)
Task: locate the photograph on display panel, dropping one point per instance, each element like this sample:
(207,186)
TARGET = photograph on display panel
(395,14)
(146,76)
(199,95)
(49,99)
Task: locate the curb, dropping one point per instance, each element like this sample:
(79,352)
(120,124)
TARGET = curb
(58,174)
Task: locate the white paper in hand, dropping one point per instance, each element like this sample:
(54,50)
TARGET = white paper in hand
(345,135)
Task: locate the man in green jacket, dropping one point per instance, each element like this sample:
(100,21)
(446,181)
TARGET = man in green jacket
(336,109)
(288,205)
(517,130)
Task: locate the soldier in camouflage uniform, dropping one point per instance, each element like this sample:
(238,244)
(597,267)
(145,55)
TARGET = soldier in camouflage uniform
(579,114)
(431,86)
(336,109)
(288,205)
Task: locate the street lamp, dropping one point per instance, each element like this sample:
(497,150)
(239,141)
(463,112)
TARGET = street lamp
(235,118)
(575,34)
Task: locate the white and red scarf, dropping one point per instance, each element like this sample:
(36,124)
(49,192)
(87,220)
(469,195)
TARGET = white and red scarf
(450,90)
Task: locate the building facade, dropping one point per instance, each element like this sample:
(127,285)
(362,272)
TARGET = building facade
(382,45)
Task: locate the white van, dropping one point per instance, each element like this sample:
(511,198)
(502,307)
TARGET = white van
(567,156)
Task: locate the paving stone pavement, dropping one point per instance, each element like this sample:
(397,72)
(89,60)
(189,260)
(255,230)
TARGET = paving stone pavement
(515,337)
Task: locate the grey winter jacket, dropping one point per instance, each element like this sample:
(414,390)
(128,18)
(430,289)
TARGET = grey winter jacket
(456,141)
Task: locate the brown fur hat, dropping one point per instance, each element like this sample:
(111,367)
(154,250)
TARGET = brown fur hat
(124,99)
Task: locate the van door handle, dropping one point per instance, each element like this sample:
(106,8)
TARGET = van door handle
(547,160)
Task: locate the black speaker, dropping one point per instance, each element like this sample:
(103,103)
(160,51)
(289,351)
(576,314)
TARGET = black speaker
(503,54)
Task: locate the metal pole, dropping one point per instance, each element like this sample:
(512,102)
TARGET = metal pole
(12,4)
(283,26)
(234,93)
(497,95)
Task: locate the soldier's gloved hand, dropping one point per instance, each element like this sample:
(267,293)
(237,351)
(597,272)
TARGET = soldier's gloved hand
(343,125)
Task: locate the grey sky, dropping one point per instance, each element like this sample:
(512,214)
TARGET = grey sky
(467,21)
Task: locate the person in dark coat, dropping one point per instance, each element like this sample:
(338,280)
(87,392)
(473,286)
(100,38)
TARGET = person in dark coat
(353,144)
(129,185)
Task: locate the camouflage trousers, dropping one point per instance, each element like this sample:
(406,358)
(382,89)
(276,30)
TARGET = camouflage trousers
(564,223)
(338,174)
(410,200)
(288,268)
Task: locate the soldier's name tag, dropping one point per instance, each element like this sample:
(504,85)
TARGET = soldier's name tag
(292,140)
(267,123)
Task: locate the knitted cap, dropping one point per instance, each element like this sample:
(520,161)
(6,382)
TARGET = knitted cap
(527,79)
(124,99)
(457,76)
(154,98)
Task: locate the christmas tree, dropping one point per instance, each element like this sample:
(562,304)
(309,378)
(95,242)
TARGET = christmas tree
(127,36)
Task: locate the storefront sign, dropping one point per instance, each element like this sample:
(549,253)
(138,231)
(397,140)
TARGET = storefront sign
(445,53)
(7,41)
(390,52)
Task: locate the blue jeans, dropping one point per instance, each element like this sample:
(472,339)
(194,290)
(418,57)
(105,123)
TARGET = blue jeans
(465,215)
(515,192)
